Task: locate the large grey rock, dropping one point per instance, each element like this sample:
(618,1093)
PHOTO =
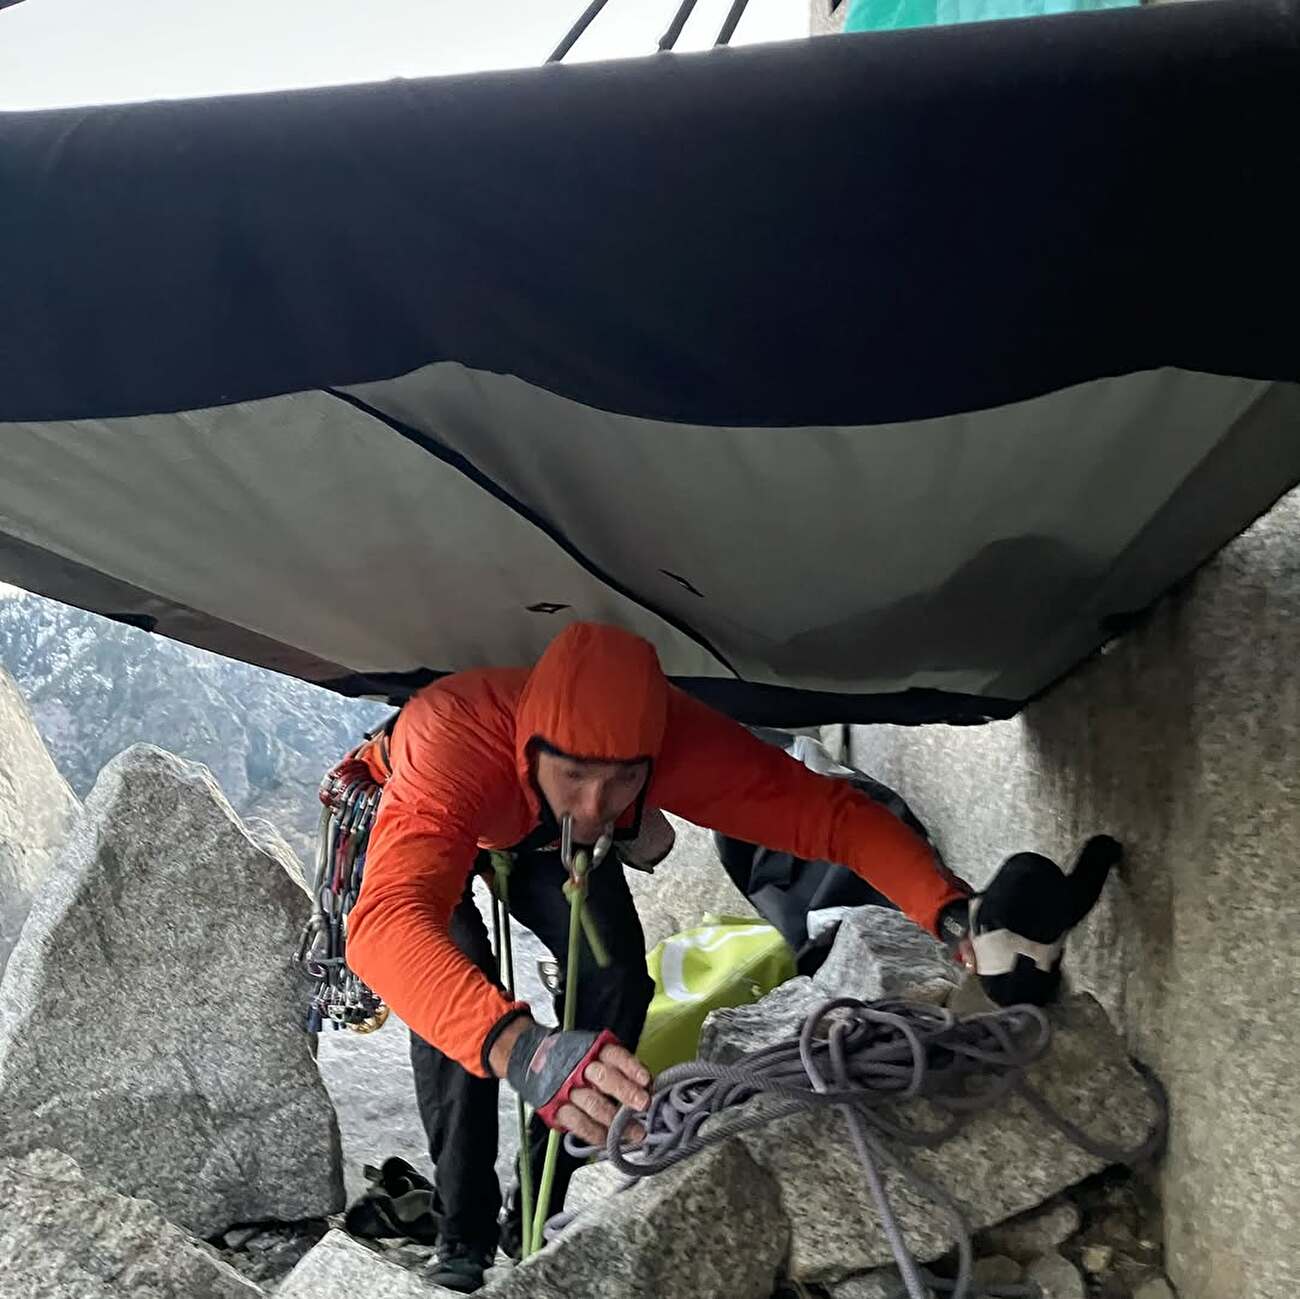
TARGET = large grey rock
(340,1268)
(150,1019)
(879,952)
(63,1237)
(1005,1161)
(711,1228)
(688,884)
(728,1034)
(37,808)
(1183,741)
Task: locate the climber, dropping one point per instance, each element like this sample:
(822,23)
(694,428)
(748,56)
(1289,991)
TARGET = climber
(492,759)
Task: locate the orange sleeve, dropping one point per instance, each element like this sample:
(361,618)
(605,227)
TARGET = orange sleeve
(714,772)
(422,848)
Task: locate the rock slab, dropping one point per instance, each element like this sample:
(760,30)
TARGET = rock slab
(63,1237)
(150,1017)
(341,1268)
(1005,1161)
(711,1228)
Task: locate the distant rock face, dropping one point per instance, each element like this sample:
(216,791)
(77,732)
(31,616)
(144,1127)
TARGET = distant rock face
(95,687)
(63,1237)
(37,808)
(150,1017)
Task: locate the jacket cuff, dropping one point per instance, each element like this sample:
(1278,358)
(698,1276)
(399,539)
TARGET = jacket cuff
(520,1010)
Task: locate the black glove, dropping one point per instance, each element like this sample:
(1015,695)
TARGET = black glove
(546,1065)
(1019,924)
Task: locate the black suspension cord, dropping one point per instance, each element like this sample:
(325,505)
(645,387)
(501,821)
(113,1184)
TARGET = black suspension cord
(669,38)
(734,15)
(574,32)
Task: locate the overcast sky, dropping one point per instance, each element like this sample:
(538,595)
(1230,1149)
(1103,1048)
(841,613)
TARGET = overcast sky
(57,52)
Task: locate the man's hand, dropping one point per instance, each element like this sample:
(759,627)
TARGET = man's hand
(575,1081)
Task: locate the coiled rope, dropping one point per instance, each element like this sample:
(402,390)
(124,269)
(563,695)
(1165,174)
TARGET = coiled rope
(866,1059)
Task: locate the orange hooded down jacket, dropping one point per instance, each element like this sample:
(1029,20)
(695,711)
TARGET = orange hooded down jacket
(462,780)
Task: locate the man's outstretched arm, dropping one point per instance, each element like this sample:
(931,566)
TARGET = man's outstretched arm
(714,772)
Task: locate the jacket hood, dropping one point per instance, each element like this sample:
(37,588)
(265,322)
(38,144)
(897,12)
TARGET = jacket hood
(597,692)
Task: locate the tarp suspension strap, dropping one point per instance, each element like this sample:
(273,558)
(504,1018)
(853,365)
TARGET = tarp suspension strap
(734,15)
(503,946)
(571,36)
(669,38)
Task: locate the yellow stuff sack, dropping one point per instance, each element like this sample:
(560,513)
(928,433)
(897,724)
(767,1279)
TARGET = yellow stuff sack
(727,961)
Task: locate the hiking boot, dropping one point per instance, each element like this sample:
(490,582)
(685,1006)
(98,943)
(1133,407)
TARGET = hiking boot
(459,1268)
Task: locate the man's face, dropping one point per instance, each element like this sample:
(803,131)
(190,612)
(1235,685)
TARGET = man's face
(595,794)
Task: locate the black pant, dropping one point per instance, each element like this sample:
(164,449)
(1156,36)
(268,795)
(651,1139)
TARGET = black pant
(458,1109)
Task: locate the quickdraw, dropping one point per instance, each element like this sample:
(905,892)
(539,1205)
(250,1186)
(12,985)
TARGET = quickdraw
(349,798)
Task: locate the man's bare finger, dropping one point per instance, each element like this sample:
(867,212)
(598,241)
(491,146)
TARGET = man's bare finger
(625,1062)
(572,1119)
(614,1082)
(594,1103)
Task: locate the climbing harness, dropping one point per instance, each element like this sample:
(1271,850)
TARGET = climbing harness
(349,798)
(578,864)
(862,1058)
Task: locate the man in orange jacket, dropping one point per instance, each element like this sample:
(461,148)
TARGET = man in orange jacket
(494,760)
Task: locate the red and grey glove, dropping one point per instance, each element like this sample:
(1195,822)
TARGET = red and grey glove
(1014,932)
(547,1065)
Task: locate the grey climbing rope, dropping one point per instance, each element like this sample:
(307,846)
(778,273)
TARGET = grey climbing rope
(865,1059)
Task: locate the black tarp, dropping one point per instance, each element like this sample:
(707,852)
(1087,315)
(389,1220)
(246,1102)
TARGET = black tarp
(877,377)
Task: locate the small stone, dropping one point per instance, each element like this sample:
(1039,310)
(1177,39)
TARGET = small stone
(997,1270)
(1057,1277)
(237,1237)
(1096,1258)
(1029,1235)
(1156,1288)
(881,1283)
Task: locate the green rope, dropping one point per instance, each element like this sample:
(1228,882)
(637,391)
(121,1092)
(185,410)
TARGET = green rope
(576,891)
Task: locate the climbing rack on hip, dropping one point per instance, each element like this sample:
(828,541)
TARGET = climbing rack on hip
(349,798)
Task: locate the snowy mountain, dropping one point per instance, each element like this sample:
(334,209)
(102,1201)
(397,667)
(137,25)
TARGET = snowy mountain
(95,686)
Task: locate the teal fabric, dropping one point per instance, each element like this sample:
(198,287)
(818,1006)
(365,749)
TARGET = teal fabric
(883,15)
